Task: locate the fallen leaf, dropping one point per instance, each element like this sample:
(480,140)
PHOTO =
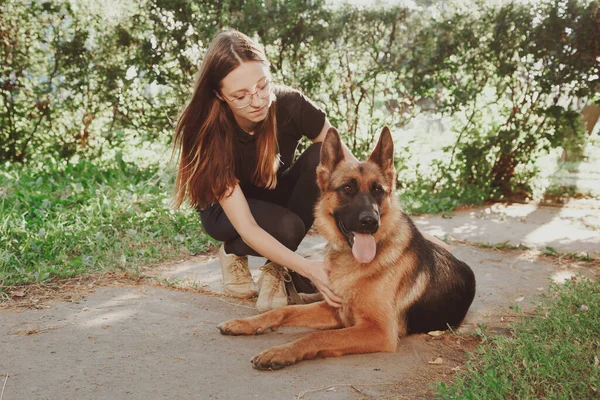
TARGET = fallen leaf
(596,361)
(520,299)
(19,293)
(437,361)
(456,369)
(435,333)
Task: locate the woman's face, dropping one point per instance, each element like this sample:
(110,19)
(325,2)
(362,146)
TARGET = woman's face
(247,91)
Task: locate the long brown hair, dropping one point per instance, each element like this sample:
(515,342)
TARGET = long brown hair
(204,133)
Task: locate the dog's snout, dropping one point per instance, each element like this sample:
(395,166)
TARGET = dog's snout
(368,221)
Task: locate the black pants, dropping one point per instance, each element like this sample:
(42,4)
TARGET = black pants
(286,212)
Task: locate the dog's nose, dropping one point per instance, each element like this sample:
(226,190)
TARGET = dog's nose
(368,221)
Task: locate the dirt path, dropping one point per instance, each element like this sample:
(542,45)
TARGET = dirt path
(139,341)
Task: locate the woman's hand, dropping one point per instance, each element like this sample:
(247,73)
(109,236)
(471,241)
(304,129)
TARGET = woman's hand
(317,271)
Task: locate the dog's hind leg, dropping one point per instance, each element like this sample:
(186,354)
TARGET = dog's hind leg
(316,315)
(366,338)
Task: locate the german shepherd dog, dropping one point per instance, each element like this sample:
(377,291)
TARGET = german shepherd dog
(391,279)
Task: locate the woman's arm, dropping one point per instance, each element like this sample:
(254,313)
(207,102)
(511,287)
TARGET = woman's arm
(237,210)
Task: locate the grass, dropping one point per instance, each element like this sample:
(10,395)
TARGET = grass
(554,355)
(67,219)
(583,256)
(501,246)
(548,251)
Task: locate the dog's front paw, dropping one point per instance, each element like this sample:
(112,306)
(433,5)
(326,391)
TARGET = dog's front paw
(237,327)
(275,358)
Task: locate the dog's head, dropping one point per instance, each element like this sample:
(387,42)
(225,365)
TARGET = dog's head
(355,197)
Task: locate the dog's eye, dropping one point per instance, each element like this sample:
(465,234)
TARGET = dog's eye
(378,191)
(348,188)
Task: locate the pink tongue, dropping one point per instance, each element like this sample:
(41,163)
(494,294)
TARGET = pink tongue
(364,247)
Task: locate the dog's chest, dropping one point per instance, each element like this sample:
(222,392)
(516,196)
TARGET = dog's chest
(347,276)
(344,284)
(351,287)
(366,291)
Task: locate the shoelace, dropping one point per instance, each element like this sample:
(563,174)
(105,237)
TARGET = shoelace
(279,273)
(239,270)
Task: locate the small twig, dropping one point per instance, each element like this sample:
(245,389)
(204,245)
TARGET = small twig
(357,390)
(5,380)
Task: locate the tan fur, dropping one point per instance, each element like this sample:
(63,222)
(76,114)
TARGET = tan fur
(375,296)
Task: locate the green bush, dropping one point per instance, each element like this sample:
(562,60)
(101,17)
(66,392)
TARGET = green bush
(81,81)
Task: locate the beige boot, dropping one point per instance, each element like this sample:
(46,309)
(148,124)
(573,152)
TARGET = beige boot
(237,279)
(271,287)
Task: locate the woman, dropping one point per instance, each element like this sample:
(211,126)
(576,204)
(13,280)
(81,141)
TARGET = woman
(236,140)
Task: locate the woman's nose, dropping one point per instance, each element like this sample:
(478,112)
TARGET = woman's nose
(257,97)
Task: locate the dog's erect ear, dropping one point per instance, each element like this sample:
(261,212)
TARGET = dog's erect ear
(383,154)
(331,155)
(331,150)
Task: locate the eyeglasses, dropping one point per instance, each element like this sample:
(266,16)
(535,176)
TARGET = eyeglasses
(244,101)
